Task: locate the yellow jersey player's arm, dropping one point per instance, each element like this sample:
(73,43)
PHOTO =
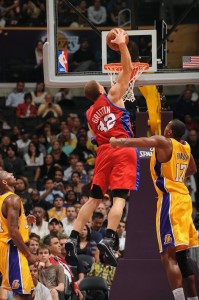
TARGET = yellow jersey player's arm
(12,213)
(192,169)
(162,145)
(156,141)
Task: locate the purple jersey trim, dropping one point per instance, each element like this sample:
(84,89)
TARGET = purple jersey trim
(14,269)
(138,170)
(166,233)
(160,179)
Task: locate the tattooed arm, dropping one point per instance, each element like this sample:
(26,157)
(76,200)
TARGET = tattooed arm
(12,212)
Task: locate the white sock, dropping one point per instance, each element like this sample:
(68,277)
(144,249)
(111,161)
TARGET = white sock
(178,294)
(193,298)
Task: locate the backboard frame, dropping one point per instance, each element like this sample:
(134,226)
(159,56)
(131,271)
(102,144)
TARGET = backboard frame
(78,80)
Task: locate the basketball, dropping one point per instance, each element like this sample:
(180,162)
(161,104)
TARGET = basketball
(110,36)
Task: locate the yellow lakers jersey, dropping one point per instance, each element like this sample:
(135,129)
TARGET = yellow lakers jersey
(23,226)
(170,176)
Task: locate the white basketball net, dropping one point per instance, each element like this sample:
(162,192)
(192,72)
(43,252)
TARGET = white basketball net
(114,69)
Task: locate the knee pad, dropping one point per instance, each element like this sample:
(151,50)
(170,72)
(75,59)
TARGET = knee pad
(120,193)
(184,263)
(96,192)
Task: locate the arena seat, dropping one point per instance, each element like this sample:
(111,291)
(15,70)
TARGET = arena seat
(87,261)
(92,284)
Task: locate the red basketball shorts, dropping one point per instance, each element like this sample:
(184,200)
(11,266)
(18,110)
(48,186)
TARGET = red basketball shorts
(116,168)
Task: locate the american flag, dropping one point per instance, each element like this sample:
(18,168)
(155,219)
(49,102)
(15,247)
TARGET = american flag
(190,62)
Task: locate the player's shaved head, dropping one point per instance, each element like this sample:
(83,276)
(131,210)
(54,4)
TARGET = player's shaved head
(178,128)
(91,90)
(7,181)
(3,175)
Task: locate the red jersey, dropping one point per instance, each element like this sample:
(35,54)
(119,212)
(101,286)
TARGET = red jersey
(107,120)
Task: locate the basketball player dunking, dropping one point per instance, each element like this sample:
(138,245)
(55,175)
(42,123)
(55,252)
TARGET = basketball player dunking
(171,163)
(113,167)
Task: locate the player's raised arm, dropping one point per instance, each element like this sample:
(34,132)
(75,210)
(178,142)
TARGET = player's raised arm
(119,89)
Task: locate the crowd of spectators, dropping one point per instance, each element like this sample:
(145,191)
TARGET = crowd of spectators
(51,154)
(33,12)
(115,13)
(56,154)
(54,164)
(23,12)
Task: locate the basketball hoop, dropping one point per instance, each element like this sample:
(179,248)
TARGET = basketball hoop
(114,69)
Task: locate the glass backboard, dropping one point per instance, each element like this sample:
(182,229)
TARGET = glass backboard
(62,54)
(136,39)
